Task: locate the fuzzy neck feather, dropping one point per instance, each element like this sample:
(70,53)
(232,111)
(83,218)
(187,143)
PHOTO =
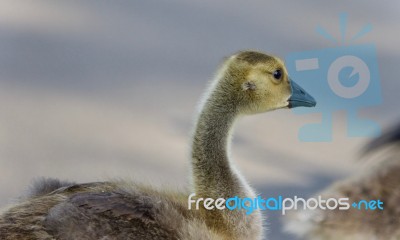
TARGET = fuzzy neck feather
(213,174)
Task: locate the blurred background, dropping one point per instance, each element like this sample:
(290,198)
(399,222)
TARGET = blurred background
(98,89)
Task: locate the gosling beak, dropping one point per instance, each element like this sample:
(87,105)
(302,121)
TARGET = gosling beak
(300,98)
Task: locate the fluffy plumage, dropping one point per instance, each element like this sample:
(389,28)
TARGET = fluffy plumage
(379,182)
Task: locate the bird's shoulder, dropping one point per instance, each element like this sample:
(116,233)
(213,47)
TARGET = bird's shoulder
(115,209)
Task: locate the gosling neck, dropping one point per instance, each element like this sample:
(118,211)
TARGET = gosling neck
(213,175)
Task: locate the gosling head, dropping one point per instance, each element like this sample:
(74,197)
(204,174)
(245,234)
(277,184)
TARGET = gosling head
(258,82)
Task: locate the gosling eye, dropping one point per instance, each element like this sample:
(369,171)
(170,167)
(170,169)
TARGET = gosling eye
(277,74)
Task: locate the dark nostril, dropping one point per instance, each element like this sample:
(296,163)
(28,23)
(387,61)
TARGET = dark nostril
(302,92)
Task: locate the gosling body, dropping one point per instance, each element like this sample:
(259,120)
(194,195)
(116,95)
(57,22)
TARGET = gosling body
(379,182)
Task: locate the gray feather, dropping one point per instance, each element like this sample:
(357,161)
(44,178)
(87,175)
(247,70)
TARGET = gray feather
(389,137)
(43,186)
